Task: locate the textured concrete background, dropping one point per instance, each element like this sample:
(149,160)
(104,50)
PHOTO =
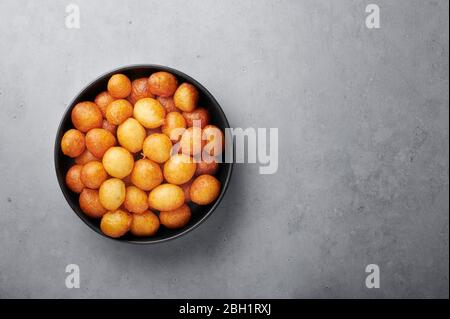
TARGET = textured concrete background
(364,133)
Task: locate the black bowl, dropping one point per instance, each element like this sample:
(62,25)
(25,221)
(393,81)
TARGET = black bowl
(63,163)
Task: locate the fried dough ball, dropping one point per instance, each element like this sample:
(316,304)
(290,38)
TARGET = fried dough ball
(149,112)
(116,223)
(99,140)
(176,218)
(118,111)
(174,126)
(136,200)
(214,140)
(73,178)
(112,193)
(200,116)
(86,116)
(191,142)
(166,197)
(139,90)
(102,100)
(109,127)
(93,174)
(168,104)
(186,97)
(179,169)
(85,157)
(146,174)
(118,162)
(206,168)
(162,83)
(73,143)
(119,86)
(145,224)
(157,147)
(131,135)
(90,203)
(186,189)
(205,189)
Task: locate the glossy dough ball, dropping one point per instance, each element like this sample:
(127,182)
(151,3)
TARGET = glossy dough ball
(145,224)
(191,142)
(214,140)
(119,86)
(102,100)
(131,135)
(99,140)
(174,126)
(116,224)
(85,157)
(146,174)
(176,218)
(206,168)
(118,111)
(168,104)
(86,116)
(118,162)
(166,197)
(199,116)
(149,112)
(109,127)
(205,189)
(112,193)
(93,174)
(73,178)
(186,97)
(179,169)
(73,143)
(90,203)
(136,200)
(162,84)
(157,147)
(139,90)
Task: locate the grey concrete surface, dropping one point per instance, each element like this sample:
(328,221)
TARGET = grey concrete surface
(364,133)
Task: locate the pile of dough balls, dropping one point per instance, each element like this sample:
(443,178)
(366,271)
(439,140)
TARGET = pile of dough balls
(125,171)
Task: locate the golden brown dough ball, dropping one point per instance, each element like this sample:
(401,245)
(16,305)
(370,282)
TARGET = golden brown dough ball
(131,135)
(186,97)
(191,142)
(116,223)
(168,104)
(177,218)
(214,140)
(73,178)
(149,112)
(102,100)
(174,126)
(206,168)
(112,193)
(90,203)
(200,116)
(73,143)
(144,224)
(118,162)
(85,157)
(146,174)
(119,86)
(166,197)
(99,140)
(109,127)
(186,189)
(139,90)
(205,189)
(157,147)
(136,200)
(118,111)
(93,174)
(162,83)
(179,169)
(86,116)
